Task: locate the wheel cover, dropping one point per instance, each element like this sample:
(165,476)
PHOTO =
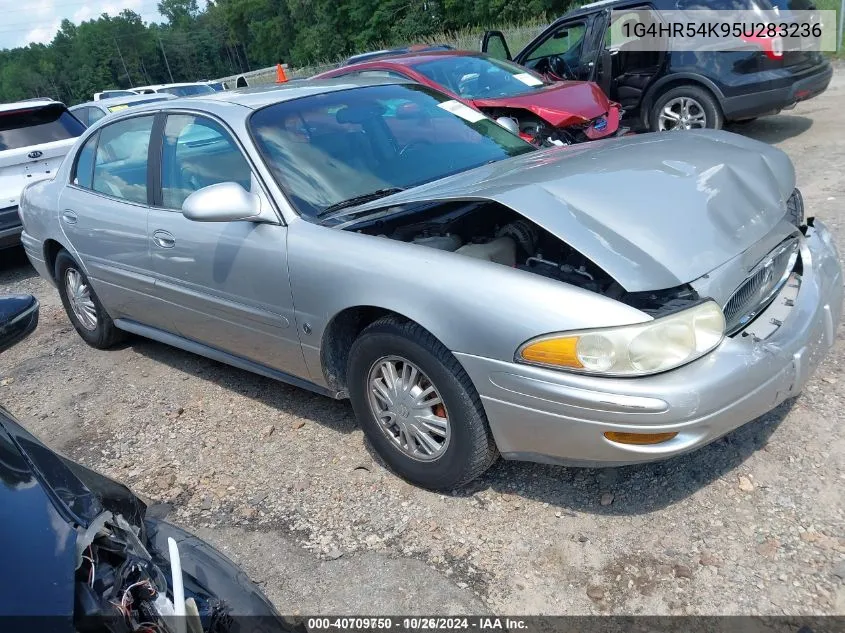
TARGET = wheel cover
(408,408)
(682,113)
(79,296)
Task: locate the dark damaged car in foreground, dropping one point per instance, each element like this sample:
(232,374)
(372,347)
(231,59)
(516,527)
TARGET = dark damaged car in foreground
(613,302)
(83,554)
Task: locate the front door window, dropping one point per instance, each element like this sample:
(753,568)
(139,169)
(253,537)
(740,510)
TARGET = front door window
(560,55)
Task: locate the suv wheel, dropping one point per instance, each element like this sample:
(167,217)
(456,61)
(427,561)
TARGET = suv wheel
(417,406)
(685,108)
(83,308)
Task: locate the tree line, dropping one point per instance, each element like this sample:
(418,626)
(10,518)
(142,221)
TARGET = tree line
(228,37)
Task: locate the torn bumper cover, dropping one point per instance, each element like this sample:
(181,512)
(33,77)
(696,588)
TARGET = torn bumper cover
(551,416)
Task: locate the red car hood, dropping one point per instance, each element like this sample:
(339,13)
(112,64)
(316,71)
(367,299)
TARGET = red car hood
(562,104)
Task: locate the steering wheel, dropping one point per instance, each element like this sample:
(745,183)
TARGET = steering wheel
(559,68)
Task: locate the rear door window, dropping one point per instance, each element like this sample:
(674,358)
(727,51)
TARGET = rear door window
(35,126)
(120,166)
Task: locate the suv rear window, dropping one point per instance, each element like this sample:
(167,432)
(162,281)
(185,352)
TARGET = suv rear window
(34,126)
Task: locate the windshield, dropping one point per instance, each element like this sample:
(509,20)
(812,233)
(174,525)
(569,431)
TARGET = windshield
(329,148)
(188,91)
(34,126)
(481,77)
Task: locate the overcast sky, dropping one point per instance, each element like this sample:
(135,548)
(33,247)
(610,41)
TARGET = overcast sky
(26,21)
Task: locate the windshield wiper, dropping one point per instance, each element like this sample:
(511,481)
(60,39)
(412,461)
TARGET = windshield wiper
(352,202)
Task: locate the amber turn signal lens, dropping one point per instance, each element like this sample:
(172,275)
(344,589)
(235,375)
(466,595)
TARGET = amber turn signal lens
(639,438)
(553,351)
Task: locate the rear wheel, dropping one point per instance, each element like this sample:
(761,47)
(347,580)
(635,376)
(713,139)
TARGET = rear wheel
(685,107)
(82,305)
(418,406)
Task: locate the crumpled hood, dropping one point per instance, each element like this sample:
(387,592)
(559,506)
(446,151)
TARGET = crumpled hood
(653,210)
(561,104)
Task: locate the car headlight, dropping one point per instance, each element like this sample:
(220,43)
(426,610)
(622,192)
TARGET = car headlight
(631,350)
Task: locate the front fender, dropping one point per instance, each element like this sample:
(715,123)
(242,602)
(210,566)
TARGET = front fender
(471,306)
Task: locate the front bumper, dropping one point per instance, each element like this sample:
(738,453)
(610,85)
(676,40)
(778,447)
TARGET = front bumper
(543,415)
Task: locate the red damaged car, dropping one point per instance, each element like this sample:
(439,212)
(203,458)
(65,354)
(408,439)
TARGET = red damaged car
(540,111)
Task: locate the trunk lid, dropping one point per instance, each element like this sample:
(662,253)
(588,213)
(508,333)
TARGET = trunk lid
(653,210)
(561,104)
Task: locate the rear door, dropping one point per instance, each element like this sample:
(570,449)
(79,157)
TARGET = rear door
(224,284)
(103,213)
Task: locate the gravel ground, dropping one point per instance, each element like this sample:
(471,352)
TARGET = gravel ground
(283,482)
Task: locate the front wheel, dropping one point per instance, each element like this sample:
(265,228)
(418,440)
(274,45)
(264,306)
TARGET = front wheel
(83,307)
(685,108)
(417,406)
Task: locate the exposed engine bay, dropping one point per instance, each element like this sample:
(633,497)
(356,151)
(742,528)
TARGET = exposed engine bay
(121,588)
(537,131)
(494,233)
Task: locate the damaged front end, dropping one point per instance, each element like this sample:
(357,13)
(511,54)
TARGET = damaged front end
(115,567)
(121,586)
(553,213)
(492,232)
(574,129)
(564,113)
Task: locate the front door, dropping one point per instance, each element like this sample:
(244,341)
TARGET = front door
(634,63)
(226,283)
(103,213)
(569,50)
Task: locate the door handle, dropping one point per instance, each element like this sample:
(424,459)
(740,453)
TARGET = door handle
(164,239)
(69,217)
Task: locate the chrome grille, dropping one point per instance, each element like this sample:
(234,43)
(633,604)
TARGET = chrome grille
(761,286)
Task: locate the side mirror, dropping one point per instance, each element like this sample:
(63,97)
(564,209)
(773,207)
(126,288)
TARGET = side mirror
(224,202)
(560,34)
(18,318)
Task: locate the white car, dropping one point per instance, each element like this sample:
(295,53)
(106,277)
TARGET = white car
(111,94)
(34,138)
(92,111)
(180,90)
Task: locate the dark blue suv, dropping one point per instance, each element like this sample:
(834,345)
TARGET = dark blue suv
(673,89)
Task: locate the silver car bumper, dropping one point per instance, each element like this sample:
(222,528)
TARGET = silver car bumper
(542,415)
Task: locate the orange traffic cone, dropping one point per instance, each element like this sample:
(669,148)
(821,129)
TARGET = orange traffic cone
(281,77)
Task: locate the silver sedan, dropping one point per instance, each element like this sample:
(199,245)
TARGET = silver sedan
(613,303)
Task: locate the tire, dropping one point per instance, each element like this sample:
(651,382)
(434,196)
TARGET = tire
(103,334)
(468,449)
(701,101)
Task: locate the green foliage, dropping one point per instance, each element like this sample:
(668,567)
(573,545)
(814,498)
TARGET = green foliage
(232,36)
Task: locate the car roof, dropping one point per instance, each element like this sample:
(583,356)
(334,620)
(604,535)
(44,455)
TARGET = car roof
(29,104)
(177,85)
(409,59)
(258,97)
(113,101)
(392,52)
